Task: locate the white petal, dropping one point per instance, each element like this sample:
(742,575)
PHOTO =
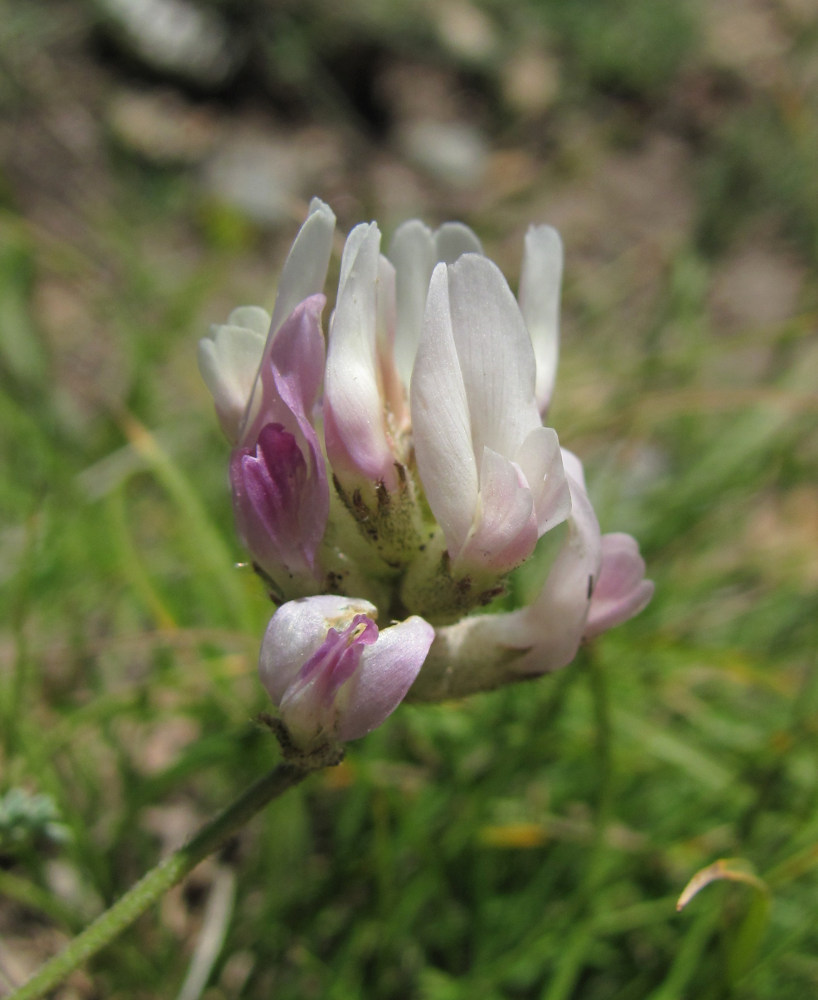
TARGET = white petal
(228,360)
(573,467)
(551,627)
(541,461)
(495,354)
(453,239)
(412,251)
(356,439)
(360,237)
(394,394)
(305,269)
(440,420)
(540,303)
(251,318)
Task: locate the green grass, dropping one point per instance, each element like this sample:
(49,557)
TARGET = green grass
(526,844)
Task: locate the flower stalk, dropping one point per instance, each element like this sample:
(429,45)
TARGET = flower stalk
(169,872)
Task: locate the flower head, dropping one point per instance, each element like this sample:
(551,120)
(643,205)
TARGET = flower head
(406,468)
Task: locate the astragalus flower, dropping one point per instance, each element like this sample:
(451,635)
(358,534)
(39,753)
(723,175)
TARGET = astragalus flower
(407,467)
(332,674)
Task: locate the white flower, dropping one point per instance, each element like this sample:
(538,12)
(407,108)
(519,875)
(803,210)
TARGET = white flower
(406,469)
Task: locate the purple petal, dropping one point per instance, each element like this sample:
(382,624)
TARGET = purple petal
(273,512)
(289,382)
(303,276)
(309,707)
(290,373)
(333,675)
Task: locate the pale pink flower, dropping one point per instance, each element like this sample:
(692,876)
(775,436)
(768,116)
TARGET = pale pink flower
(332,673)
(407,468)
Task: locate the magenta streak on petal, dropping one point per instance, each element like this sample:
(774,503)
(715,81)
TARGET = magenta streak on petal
(275,478)
(337,659)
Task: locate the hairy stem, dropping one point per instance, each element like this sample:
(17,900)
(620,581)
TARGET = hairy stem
(165,875)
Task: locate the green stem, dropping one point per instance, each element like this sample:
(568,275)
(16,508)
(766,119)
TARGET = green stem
(161,878)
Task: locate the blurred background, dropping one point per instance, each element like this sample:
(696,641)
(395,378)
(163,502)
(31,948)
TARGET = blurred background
(157,158)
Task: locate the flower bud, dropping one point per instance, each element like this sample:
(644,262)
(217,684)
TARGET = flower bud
(333,675)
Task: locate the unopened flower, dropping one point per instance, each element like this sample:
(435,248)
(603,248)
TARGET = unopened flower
(406,467)
(333,675)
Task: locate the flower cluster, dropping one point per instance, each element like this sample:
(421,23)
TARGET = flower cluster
(401,466)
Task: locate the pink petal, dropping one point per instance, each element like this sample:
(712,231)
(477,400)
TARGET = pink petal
(621,590)
(297,630)
(551,627)
(387,671)
(505,530)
